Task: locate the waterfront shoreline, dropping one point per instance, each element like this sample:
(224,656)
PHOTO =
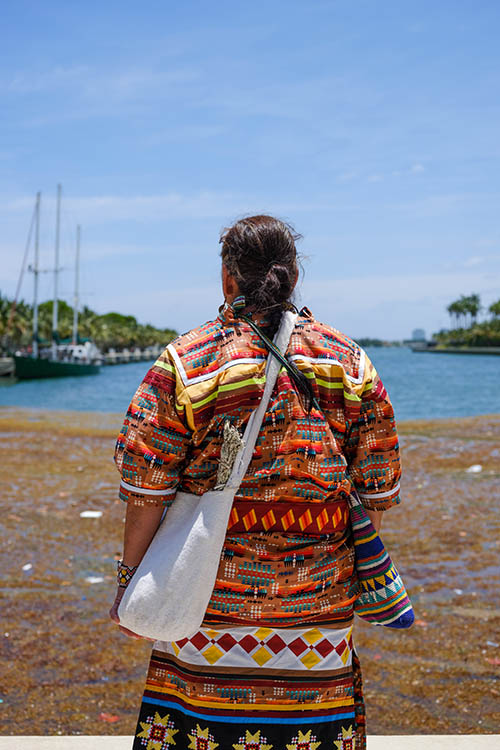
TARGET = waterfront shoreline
(489,350)
(120,357)
(66,657)
(441,386)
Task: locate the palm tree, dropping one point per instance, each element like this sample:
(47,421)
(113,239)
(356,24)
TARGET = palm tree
(494,309)
(22,323)
(15,323)
(472,305)
(88,324)
(5,305)
(463,308)
(65,320)
(453,311)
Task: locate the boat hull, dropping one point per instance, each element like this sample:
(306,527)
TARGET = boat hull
(29,368)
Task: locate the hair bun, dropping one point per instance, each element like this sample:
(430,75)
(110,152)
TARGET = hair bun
(259,251)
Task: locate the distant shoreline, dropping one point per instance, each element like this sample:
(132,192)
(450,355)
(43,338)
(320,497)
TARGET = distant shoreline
(110,390)
(491,350)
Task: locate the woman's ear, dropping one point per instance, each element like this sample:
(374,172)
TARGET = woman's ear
(230,286)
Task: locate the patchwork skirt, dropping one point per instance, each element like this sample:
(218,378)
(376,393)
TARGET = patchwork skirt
(254,688)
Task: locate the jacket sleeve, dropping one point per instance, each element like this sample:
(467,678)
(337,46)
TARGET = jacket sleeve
(372,446)
(154,441)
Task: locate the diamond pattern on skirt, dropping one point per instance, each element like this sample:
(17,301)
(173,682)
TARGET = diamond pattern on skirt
(276,644)
(290,648)
(199,641)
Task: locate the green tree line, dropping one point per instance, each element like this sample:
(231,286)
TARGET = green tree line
(467,331)
(111,330)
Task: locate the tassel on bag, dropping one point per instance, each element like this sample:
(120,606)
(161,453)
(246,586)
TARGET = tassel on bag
(232,443)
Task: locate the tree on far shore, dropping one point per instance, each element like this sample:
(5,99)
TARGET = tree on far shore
(109,331)
(494,309)
(466,306)
(467,332)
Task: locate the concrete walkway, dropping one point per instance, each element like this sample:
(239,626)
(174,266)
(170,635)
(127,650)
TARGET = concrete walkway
(394,742)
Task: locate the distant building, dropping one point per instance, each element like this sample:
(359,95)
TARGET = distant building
(418,334)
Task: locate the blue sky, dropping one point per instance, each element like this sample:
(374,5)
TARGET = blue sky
(372,127)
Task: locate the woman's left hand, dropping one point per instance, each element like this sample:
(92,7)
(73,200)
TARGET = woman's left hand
(113,613)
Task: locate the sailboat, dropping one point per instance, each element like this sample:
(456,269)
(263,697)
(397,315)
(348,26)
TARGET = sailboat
(59,360)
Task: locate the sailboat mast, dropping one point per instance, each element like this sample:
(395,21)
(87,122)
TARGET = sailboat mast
(76,300)
(20,281)
(35,276)
(56,275)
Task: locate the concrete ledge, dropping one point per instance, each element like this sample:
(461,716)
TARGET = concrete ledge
(392,742)
(435,742)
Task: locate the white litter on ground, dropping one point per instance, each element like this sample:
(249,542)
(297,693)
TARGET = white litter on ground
(474,469)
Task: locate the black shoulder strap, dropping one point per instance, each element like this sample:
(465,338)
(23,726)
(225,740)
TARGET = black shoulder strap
(300,380)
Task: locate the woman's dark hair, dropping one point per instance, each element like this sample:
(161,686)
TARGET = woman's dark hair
(260,253)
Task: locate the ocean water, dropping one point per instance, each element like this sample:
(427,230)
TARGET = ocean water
(421,386)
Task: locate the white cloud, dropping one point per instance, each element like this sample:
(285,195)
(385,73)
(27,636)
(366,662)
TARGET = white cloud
(391,306)
(347,176)
(84,91)
(11,257)
(279,99)
(106,208)
(218,204)
(474,261)
(181,307)
(439,205)
(135,83)
(193,133)
(350,175)
(481,260)
(34,82)
(97,84)
(92,90)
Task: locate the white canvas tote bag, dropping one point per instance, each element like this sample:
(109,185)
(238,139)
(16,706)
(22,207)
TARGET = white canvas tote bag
(169,593)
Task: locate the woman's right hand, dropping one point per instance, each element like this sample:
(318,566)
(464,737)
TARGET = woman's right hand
(141,523)
(113,613)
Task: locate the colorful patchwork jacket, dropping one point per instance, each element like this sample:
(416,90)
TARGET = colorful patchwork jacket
(303,463)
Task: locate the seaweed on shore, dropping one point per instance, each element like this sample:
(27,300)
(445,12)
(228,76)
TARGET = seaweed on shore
(70,671)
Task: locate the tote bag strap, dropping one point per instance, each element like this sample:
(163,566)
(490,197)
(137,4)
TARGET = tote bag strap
(273,366)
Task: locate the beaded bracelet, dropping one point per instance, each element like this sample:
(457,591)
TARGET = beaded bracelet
(124,573)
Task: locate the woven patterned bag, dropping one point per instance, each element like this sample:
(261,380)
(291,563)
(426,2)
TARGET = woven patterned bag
(383,599)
